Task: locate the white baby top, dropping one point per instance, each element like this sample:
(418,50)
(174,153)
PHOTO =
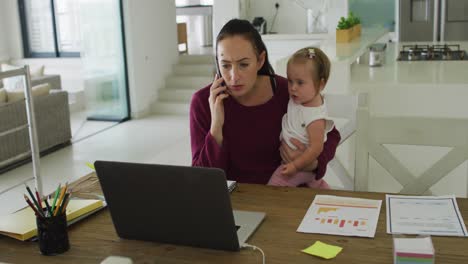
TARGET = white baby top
(298,117)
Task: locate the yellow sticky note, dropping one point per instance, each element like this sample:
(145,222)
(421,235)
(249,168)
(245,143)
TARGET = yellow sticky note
(90,165)
(323,250)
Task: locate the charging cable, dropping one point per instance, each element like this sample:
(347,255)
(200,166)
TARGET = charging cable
(274,18)
(255,248)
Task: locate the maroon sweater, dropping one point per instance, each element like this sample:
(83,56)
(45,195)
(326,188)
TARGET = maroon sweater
(250,149)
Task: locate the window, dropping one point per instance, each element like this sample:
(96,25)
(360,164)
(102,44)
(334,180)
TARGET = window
(50,28)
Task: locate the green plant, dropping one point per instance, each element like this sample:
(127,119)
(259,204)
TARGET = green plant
(353,20)
(343,24)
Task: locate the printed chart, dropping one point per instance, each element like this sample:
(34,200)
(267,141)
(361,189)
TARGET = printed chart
(345,216)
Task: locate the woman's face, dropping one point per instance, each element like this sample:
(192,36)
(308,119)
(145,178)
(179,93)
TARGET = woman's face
(238,63)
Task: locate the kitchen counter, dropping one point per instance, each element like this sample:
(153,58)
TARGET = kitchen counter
(393,72)
(414,88)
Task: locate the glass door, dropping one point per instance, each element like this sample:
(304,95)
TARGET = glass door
(104,60)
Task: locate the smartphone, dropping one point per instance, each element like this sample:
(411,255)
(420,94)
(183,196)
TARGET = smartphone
(218,71)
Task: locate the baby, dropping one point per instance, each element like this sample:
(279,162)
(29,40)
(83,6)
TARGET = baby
(307,119)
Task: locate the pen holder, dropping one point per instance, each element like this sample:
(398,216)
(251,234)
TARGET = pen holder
(52,234)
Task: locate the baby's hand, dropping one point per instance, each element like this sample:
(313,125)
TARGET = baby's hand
(289,169)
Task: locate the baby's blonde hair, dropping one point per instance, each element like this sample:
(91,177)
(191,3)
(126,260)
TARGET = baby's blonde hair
(321,63)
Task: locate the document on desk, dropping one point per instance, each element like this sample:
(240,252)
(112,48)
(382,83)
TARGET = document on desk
(343,216)
(428,215)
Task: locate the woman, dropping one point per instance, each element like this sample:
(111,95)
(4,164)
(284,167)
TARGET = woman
(235,122)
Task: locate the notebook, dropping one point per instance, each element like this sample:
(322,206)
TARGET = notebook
(174,204)
(21,225)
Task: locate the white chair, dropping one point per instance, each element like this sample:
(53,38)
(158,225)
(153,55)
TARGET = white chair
(342,106)
(374,131)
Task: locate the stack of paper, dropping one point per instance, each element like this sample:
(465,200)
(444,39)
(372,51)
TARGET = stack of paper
(22,224)
(413,250)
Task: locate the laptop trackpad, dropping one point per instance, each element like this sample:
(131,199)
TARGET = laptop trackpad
(246,223)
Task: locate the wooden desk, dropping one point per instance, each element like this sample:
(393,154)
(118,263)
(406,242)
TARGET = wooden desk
(93,239)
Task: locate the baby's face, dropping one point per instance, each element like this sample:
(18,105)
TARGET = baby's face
(302,88)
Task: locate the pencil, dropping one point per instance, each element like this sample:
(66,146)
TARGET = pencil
(33,199)
(56,196)
(33,207)
(64,201)
(48,207)
(39,201)
(64,210)
(62,195)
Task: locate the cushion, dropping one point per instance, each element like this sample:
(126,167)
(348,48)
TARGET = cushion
(12,83)
(41,89)
(3,96)
(18,94)
(36,71)
(15,95)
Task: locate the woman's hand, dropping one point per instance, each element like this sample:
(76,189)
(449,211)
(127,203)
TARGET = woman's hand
(217,94)
(288,154)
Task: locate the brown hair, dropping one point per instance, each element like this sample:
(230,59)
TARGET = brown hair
(318,58)
(239,27)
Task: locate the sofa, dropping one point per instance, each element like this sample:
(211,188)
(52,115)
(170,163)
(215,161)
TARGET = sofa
(52,122)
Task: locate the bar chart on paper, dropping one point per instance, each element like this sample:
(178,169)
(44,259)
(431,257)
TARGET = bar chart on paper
(341,216)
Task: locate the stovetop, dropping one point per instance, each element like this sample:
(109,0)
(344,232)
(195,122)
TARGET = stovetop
(432,53)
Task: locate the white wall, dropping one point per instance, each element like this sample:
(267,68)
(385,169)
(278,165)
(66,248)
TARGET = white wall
(12,28)
(151,40)
(3,37)
(223,11)
(292,18)
(9,34)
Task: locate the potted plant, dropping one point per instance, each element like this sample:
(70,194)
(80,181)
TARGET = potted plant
(356,23)
(348,28)
(344,30)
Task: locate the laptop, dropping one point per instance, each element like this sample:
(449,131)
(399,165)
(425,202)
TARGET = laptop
(174,204)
